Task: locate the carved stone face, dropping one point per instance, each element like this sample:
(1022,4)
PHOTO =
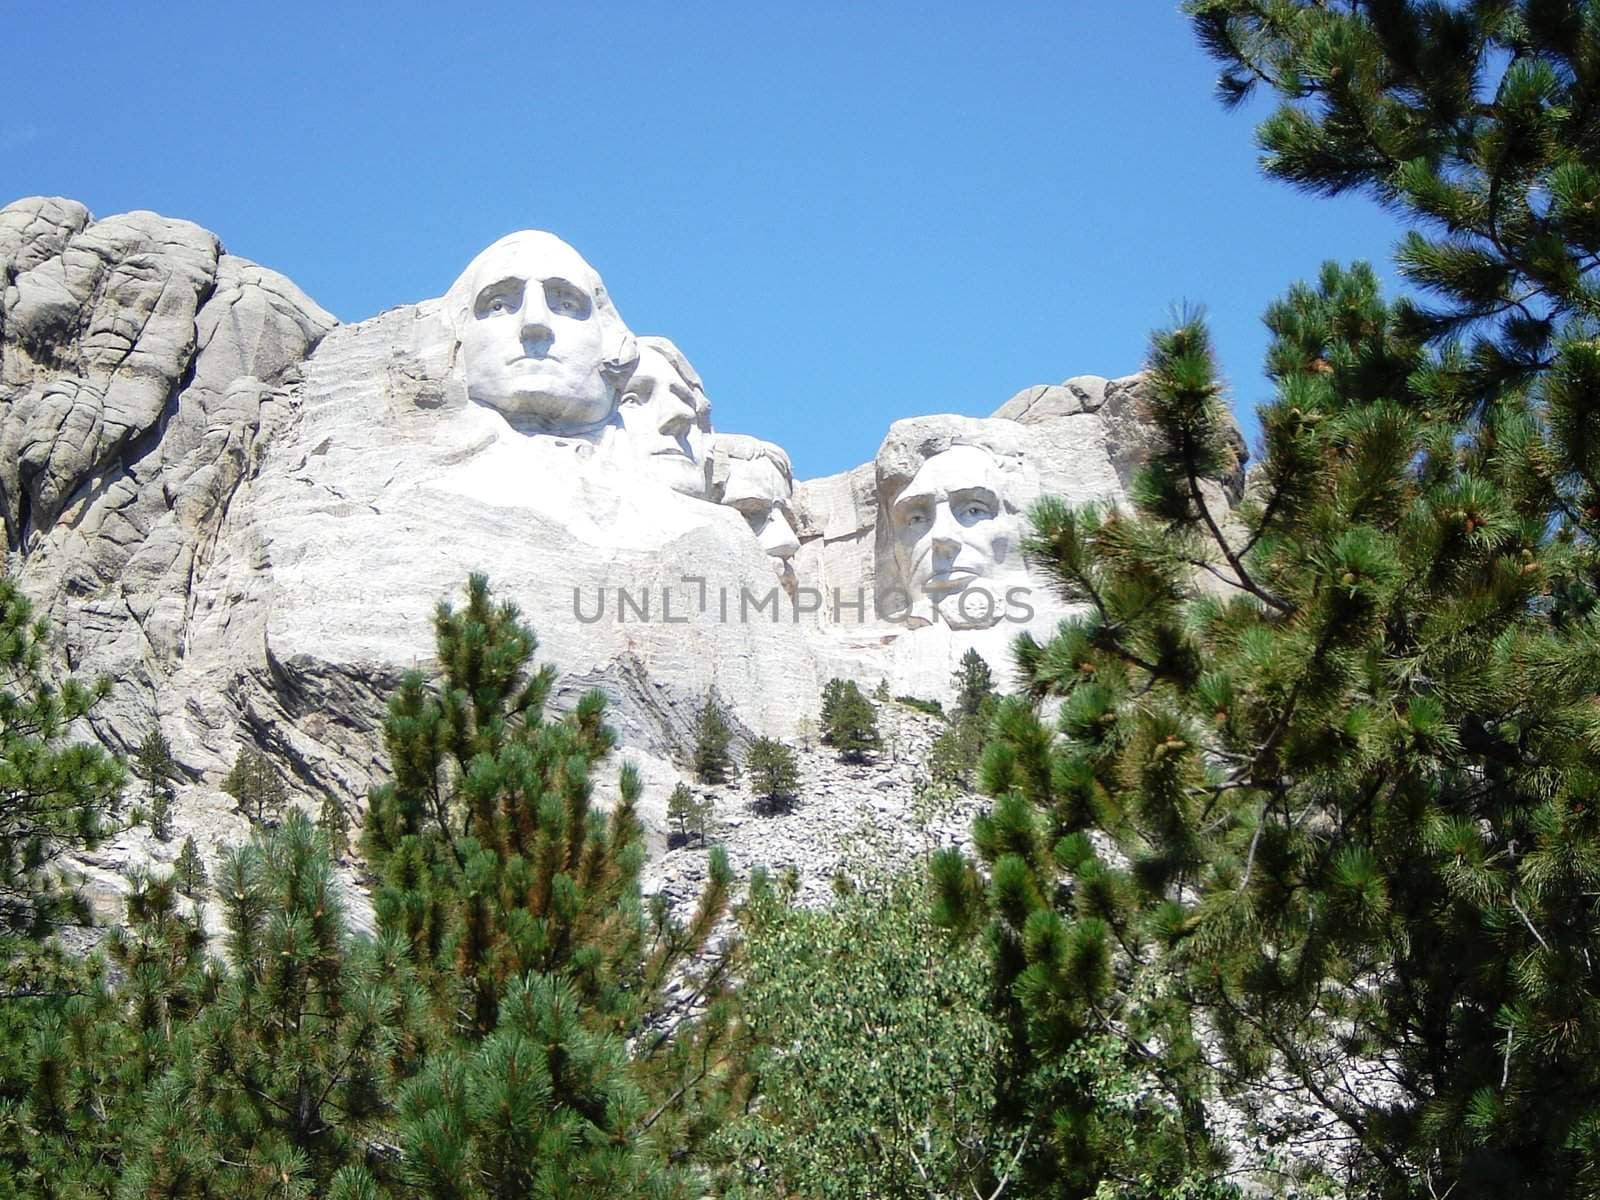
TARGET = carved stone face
(952,532)
(540,340)
(760,491)
(663,418)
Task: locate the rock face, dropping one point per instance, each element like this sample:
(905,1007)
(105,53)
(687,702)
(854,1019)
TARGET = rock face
(245,514)
(142,369)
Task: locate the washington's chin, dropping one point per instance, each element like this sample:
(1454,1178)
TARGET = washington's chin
(545,405)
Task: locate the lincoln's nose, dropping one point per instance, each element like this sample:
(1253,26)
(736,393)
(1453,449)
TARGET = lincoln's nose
(946,533)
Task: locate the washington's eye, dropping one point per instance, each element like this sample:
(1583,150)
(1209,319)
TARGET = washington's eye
(498,298)
(565,299)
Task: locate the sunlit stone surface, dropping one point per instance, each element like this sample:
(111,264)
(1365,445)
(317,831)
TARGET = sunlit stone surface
(246,513)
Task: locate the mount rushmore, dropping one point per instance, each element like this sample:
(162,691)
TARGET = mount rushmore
(244,512)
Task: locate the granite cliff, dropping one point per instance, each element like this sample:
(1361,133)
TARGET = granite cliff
(245,512)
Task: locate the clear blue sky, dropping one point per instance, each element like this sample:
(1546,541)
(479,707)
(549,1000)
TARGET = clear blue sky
(844,213)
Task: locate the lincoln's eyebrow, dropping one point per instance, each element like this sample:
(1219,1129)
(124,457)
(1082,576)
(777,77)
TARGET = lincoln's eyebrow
(914,500)
(975,493)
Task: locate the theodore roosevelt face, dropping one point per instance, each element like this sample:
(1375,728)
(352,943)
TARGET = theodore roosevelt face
(952,529)
(540,341)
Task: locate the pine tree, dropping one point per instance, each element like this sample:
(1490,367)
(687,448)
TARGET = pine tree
(1474,124)
(832,692)
(190,870)
(773,772)
(702,818)
(288,1076)
(56,796)
(681,808)
(255,784)
(334,822)
(153,763)
(973,683)
(521,906)
(852,724)
(1471,121)
(1350,790)
(90,1060)
(712,738)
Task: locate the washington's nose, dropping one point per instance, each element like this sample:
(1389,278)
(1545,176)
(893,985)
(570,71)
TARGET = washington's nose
(536,320)
(778,538)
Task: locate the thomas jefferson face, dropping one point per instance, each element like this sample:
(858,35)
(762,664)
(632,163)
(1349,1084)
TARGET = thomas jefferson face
(952,531)
(661,415)
(758,489)
(537,331)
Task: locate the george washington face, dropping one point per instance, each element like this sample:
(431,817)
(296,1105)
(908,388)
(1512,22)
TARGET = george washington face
(540,341)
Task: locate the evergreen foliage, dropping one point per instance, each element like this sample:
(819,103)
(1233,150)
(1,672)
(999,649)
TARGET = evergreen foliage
(832,692)
(681,806)
(255,785)
(520,905)
(189,870)
(773,772)
(931,708)
(850,724)
(712,761)
(1474,122)
(334,822)
(153,763)
(974,684)
(75,1074)
(1351,795)
(55,795)
(286,1076)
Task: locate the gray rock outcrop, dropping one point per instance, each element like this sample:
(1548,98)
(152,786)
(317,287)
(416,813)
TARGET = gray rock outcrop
(245,513)
(141,369)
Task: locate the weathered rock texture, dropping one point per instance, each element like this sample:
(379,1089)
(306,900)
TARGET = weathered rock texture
(245,515)
(142,368)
